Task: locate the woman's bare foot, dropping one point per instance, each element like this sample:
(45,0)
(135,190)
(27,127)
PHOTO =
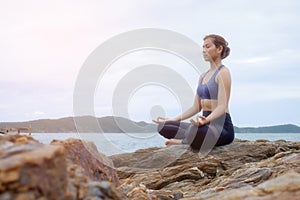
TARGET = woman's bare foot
(173,141)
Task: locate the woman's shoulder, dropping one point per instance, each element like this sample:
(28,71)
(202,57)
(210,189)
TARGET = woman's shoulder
(224,70)
(224,73)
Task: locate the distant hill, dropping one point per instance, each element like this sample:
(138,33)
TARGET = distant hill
(286,128)
(67,125)
(112,125)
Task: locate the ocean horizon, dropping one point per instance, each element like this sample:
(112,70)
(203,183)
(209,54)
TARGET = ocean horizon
(116,143)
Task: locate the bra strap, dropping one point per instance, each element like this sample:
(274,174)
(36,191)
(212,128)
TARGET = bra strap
(216,72)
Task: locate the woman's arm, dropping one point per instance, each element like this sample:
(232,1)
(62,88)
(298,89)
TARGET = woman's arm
(194,109)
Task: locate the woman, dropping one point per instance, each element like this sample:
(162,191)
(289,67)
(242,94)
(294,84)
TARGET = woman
(214,128)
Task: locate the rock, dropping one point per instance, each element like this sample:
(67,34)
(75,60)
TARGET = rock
(27,165)
(228,170)
(102,190)
(96,165)
(150,158)
(74,170)
(65,170)
(286,186)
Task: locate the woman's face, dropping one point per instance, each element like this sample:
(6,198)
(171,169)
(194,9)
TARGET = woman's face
(210,51)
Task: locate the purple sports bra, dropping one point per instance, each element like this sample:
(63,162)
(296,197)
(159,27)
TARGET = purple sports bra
(210,89)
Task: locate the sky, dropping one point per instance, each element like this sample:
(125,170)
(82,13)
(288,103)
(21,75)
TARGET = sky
(44,44)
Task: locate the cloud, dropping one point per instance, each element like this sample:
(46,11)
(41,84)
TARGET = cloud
(264,92)
(44,44)
(253,60)
(270,59)
(37,114)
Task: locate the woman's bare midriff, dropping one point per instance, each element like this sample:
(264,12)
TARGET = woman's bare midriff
(210,105)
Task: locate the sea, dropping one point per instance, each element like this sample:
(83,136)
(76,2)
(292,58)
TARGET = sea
(117,143)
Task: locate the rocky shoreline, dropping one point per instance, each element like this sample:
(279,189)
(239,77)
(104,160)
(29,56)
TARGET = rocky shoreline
(74,170)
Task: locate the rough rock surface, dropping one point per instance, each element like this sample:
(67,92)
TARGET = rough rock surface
(95,164)
(74,170)
(242,170)
(64,170)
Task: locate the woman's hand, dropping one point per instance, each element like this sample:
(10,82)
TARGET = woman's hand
(163,119)
(200,121)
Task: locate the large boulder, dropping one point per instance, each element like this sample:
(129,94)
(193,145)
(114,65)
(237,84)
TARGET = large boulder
(74,170)
(96,165)
(29,169)
(65,170)
(175,172)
